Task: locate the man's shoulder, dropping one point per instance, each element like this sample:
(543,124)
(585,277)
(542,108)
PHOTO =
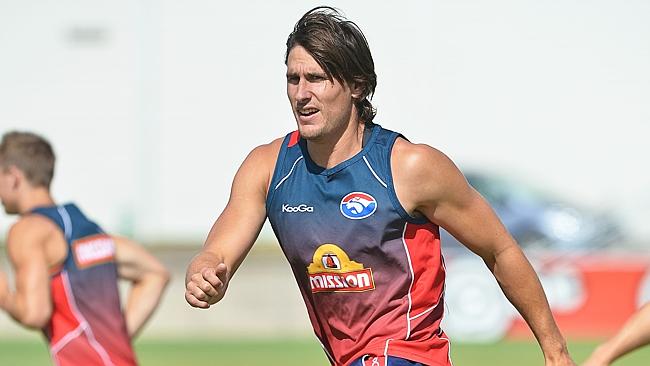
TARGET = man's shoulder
(30,227)
(269,148)
(422,173)
(417,157)
(266,154)
(257,169)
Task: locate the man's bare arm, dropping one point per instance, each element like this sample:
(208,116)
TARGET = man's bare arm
(234,232)
(148,279)
(30,304)
(634,334)
(429,183)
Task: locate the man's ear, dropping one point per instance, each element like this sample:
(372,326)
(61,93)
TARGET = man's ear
(357,91)
(17,176)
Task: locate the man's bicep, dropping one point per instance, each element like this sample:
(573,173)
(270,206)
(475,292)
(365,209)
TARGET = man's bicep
(32,277)
(467,216)
(27,255)
(447,199)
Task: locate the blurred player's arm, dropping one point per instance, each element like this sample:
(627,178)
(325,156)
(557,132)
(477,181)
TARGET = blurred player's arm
(634,334)
(428,182)
(234,232)
(30,303)
(148,279)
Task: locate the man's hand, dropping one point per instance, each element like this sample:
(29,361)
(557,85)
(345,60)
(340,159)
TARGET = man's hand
(206,287)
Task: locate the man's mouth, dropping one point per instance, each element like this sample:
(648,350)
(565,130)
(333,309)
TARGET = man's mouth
(306,112)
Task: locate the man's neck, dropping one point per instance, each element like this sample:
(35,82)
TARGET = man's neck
(333,150)
(33,198)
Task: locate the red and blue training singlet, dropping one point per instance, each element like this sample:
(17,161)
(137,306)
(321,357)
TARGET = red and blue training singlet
(371,275)
(87,326)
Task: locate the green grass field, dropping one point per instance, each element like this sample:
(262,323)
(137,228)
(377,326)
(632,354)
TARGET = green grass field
(297,352)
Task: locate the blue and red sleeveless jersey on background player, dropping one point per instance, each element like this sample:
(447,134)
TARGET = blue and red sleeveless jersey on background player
(87,326)
(371,275)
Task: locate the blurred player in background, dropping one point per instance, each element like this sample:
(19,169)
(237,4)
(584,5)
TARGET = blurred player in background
(356,209)
(634,334)
(66,267)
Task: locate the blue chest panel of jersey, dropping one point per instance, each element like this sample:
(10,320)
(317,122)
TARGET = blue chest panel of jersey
(352,205)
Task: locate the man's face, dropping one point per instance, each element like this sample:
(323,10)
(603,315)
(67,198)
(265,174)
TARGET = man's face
(8,191)
(319,105)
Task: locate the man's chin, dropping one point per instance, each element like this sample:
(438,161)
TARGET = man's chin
(9,210)
(309,132)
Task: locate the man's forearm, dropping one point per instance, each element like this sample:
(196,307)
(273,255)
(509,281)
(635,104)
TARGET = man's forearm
(143,300)
(18,309)
(635,333)
(8,304)
(523,289)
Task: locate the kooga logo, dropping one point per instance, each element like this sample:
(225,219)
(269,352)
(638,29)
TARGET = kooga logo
(300,208)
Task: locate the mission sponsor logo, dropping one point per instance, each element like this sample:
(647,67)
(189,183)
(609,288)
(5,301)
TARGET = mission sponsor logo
(93,250)
(332,270)
(301,208)
(358,205)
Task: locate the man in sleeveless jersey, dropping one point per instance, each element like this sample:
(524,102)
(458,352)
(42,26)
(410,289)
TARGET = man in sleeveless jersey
(66,267)
(356,209)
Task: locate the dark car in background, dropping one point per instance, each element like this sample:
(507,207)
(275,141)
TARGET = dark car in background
(570,248)
(539,220)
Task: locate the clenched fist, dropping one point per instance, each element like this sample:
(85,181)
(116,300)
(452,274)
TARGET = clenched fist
(206,287)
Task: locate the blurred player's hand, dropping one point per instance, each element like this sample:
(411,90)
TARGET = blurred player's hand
(206,287)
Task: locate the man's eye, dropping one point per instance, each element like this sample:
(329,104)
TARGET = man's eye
(293,79)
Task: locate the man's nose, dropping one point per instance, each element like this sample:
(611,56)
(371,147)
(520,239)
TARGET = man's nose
(303,91)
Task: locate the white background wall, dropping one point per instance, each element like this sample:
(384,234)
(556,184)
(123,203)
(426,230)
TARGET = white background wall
(151,105)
